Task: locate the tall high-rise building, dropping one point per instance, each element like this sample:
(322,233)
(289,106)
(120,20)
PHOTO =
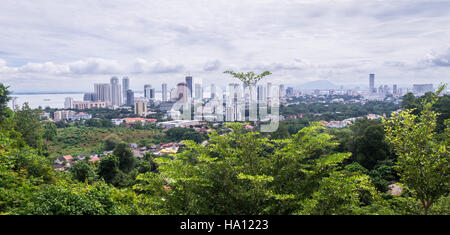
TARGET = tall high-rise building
(394,89)
(182,91)
(90,97)
(372,83)
(125,88)
(261,93)
(213,91)
(269,87)
(164,92)
(422,88)
(173,94)
(116,92)
(103,92)
(152,93)
(68,103)
(189,84)
(290,91)
(130,98)
(386,89)
(282,91)
(198,91)
(147,90)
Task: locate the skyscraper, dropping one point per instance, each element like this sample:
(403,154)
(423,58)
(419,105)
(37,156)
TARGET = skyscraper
(152,93)
(116,92)
(213,91)
(147,88)
(68,103)
(282,91)
(182,92)
(189,84)
(422,88)
(394,89)
(269,87)
(173,94)
(198,91)
(386,89)
(125,88)
(90,97)
(130,98)
(261,93)
(164,92)
(103,92)
(372,83)
(290,91)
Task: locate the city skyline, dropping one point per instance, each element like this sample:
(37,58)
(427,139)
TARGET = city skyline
(46,46)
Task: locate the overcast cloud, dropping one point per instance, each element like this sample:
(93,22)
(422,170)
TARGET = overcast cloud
(60,45)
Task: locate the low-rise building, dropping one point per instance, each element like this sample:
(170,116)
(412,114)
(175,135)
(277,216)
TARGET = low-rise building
(178,123)
(70,115)
(89,104)
(64,159)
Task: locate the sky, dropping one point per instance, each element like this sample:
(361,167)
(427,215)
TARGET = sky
(65,45)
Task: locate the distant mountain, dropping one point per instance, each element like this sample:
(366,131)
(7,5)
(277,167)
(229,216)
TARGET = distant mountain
(319,84)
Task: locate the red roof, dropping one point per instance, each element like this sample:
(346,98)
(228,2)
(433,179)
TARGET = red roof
(94,159)
(131,120)
(67,157)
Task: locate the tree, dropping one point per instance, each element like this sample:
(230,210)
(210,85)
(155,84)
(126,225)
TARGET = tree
(111,141)
(281,133)
(344,193)
(83,171)
(249,79)
(50,131)
(370,147)
(26,122)
(423,157)
(241,172)
(409,101)
(125,156)
(181,133)
(147,164)
(109,168)
(442,107)
(4,98)
(64,198)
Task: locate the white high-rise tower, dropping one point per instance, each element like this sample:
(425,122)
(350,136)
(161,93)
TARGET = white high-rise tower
(116,92)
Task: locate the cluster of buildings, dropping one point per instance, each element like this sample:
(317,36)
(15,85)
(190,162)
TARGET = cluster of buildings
(63,163)
(70,115)
(115,95)
(373,92)
(179,123)
(384,90)
(348,121)
(219,106)
(157,149)
(128,121)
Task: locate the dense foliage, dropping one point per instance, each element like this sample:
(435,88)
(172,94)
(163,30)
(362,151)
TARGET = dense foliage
(232,171)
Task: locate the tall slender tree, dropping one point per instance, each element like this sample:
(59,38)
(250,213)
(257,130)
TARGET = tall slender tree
(250,79)
(423,156)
